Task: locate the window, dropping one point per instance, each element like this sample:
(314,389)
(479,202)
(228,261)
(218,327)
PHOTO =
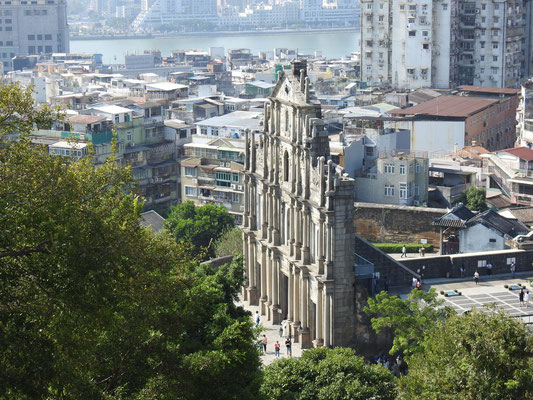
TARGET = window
(417,190)
(369,151)
(31,49)
(494,71)
(31,37)
(445,7)
(223,179)
(492,240)
(190,171)
(381,18)
(418,168)
(411,71)
(403,191)
(235,198)
(48,49)
(494,45)
(402,6)
(496,6)
(190,191)
(483,19)
(389,168)
(235,178)
(482,58)
(402,169)
(496,20)
(412,7)
(411,20)
(412,33)
(425,46)
(203,131)
(483,6)
(425,33)
(117,119)
(9,21)
(286,167)
(482,44)
(47,37)
(494,58)
(129,136)
(9,43)
(411,168)
(9,28)
(389,190)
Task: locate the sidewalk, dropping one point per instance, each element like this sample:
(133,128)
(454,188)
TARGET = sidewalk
(272,333)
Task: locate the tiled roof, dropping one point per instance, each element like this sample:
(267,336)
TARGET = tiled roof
(524,153)
(492,90)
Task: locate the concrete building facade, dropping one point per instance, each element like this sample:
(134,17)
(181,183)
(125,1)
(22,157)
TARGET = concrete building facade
(36,28)
(442,44)
(299,238)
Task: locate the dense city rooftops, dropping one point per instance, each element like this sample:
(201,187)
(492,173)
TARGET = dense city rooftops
(447,106)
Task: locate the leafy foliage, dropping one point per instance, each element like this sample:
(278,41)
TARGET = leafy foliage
(229,243)
(408,319)
(474,199)
(485,356)
(200,226)
(327,374)
(92,305)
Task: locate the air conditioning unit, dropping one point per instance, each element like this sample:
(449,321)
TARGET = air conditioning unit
(477,75)
(195,181)
(222,163)
(477,11)
(228,165)
(234,187)
(240,187)
(132,144)
(492,78)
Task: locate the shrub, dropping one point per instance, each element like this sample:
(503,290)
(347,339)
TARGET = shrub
(397,247)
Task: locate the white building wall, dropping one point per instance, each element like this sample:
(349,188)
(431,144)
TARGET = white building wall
(477,239)
(441,46)
(434,136)
(411,44)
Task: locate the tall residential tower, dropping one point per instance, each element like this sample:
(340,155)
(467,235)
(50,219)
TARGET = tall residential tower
(36,28)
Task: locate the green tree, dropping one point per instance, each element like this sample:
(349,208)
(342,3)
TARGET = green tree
(200,226)
(327,374)
(474,199)
(407,319)
(229,243)
(94,306)
(485,356)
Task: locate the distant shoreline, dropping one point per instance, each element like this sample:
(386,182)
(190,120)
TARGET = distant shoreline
(209,34)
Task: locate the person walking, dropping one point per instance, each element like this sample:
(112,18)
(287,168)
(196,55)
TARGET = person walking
(462,271)
(521,297)
(404,252)
(489,269)
(418,285)
(415,281)
(257,319)
(288,345)
(264,341)
(526,299)
(276,349)
(476,277)
(513,269)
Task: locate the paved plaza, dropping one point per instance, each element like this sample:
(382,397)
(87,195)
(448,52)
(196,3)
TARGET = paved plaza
(273,334)
(490,290)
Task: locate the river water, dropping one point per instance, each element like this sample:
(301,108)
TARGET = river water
(331,44)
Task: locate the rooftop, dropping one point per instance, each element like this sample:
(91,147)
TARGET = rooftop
(165,86)
(85,119)
(238,119)
(491,90)
(524,153)
(111,109)
(448,106)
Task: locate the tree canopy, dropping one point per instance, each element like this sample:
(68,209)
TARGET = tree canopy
(485,356)
(408,319)
(474,199)
(229,243)
(94,306)
(327,374)
(200,226)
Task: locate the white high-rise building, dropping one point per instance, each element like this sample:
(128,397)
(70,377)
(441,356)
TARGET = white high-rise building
(36,28)
(430,43)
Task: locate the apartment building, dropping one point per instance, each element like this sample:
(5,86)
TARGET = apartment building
(212,172)
(525,115)
(32,27)
(399,177)
(423,43)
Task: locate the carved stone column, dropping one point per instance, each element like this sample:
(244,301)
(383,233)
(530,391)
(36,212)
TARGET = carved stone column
(296,310)
(305,341)
(252,289)
(276,310)
(306,253)
(319,340)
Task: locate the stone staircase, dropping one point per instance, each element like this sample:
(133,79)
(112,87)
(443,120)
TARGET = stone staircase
(397,273)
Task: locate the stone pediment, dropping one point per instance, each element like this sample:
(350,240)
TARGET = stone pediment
(288,89)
